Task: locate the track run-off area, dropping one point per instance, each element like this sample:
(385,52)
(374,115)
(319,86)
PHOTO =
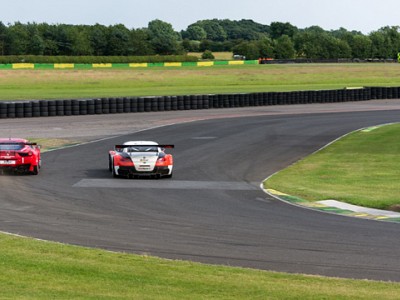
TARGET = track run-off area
(213,209)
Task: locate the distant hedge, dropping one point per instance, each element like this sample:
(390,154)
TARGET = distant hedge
(10,59)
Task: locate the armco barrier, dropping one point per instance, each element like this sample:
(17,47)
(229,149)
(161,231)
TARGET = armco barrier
(68,107)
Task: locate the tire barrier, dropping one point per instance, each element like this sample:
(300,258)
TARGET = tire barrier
(19,109)
(174,103)
(140,104)
(52,108)
(112,105)
(35,109)
(3,110)
(67,107)
(60,106)
(83,107)
(126,105)
(27,109)
(134,104)
(75,107)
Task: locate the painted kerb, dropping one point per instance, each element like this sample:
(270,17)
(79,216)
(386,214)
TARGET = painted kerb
(33,66)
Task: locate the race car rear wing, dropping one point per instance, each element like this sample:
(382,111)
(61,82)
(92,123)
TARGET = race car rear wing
(18,143)
(21,144)
(119,147)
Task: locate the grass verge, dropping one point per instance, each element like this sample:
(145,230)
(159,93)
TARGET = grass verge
(51,144)
(65,84)
(32,269)
(361,168)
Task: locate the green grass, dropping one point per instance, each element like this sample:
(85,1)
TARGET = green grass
(61,84)
(50,144)
(31,269)
(362,168)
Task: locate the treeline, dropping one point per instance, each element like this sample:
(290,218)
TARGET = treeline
(82,59)
(285,41)
(245,37)
(88,40)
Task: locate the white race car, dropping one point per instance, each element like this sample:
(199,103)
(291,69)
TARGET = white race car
(140,158)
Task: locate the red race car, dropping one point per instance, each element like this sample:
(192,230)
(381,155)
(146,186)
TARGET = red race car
(140,158)
(19,156)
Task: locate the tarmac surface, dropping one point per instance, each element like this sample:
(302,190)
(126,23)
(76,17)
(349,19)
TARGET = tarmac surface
(213,210)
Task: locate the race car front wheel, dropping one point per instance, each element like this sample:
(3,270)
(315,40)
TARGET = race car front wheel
(113,172)
(110,164)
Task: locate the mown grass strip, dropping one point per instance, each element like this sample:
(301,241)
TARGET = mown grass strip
(79,81)
(362,168)
(32,269)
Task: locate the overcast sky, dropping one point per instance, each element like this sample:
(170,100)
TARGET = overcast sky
(361,15)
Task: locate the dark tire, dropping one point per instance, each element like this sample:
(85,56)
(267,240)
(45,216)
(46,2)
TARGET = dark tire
(35,170)
(109,164)
(113,172)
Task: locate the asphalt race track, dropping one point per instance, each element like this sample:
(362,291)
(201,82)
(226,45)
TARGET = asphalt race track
(212,210)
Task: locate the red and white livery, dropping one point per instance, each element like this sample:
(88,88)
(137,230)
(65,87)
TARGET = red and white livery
(19,156)
(140,158)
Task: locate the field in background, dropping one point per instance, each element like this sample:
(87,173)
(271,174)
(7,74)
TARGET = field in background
(75,84)
(217,55)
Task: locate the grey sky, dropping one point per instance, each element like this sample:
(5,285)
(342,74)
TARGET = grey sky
(361,15)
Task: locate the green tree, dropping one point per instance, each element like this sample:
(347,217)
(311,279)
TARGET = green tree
(118,40)
(98,37)
(314,42)
(63,39)
(36,45)
(278,29)
(80,41)
(207,55)
(140,42)
(163,38)
(244,30)
(49,36)
(284,48)
(35,41)
(191,46)
(17,39)
(248,49)
(385,42)
(266,48)
(3,38)
(195,33)
(215,32)
(361,46)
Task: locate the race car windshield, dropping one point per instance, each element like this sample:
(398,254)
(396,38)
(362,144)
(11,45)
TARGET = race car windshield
(142,149)
(11,146)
